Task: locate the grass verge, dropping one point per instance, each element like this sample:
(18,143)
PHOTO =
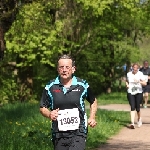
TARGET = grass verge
(113,98)
(23,128)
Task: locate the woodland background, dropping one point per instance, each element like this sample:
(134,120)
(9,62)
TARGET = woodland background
(102,36)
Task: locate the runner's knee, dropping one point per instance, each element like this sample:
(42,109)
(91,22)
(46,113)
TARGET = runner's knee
(145,94)
(132,108)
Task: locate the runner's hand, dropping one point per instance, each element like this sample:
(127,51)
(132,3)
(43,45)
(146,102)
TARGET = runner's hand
(92,122)
(54,114)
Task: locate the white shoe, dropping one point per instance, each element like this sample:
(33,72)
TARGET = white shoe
(139,123)
(132,126)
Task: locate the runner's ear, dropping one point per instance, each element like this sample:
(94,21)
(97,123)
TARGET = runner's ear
(73,69)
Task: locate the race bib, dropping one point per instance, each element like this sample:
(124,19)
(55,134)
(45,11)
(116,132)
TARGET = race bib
(134,90)
(68,119)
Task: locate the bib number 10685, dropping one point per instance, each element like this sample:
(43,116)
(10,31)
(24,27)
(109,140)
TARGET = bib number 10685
(68,119)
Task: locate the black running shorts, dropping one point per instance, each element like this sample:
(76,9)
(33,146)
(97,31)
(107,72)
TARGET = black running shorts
(70,143)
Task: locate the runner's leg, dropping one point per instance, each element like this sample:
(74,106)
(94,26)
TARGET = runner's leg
(78,143)
(62,144)
(131,99)
(137,103)
(145,98)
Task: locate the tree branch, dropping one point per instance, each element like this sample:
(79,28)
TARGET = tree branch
(85,44)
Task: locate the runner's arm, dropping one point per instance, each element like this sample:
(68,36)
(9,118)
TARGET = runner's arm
(93,109)
(45,112)
(49,114)
(143,83)
(44,105)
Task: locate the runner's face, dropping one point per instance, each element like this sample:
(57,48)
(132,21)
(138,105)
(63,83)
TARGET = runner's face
(145,64)
(65,69)
(135,69)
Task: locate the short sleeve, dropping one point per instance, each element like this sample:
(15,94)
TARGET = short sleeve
(148,71)
(90,96)
(44,99)
(144,77)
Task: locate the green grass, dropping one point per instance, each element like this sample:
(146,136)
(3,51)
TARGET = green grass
(113,98)
(24,128)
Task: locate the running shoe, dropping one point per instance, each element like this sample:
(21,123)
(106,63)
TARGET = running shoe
(139,123)
(132,126)
(145,106)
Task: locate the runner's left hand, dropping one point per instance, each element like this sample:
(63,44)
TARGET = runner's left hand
(92,122)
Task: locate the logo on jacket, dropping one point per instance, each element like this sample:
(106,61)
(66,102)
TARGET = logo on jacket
(76,90)
(57,90)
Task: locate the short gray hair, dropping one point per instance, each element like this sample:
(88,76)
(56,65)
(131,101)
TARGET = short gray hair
(66,56)
(145,61)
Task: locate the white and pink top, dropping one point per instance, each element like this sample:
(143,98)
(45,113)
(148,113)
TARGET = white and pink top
(134,82)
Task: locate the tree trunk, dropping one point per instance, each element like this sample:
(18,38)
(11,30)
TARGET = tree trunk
(2,43)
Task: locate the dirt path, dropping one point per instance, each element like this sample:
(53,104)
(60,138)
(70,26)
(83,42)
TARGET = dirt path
(133,139)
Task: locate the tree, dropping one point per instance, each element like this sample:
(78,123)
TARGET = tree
(100,34)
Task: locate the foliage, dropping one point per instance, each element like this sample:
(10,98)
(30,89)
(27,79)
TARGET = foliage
(30,36)
(33,35)
(8,86)
(144,49)
(101,35)
(112,40)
